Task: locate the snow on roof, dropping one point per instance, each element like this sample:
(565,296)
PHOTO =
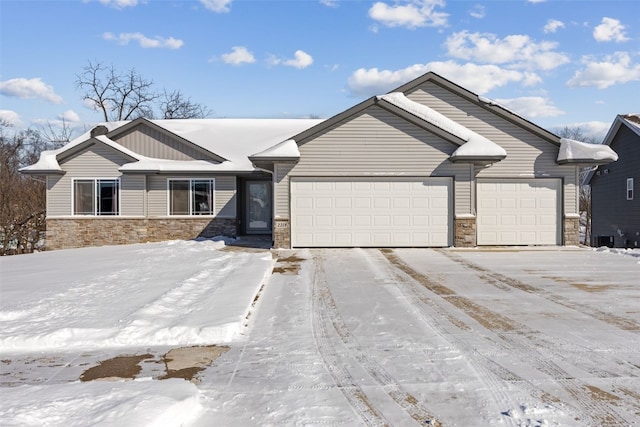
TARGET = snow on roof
(474,146)
(287,148)
(233,139)
(237,139)
(148,164)
(633,120)
(572,151)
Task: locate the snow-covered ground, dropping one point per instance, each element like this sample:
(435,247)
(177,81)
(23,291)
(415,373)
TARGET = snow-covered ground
(504,337)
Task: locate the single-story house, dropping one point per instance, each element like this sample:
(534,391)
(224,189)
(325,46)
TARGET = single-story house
(429,164)
(615,206)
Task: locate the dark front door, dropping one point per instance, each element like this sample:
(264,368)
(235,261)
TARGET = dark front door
(258,206)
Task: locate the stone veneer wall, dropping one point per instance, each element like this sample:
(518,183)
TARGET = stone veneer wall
(571,231)
(81,232)
(465,232)
(281,233)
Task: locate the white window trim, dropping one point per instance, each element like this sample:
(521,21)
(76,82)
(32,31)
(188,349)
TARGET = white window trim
(630,189)
(191,215)
(95,207)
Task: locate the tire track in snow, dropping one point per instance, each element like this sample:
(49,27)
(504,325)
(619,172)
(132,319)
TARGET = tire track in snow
(489,372)
(390,386)
(590,362)
(513,337)
(610,318)
(343,379)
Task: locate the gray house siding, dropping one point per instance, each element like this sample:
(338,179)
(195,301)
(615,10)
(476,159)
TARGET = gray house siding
(151,142)
(376,143)
(98,161)
(611,213)
(528,155)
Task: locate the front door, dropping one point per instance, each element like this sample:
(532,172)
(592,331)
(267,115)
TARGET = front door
(258,205)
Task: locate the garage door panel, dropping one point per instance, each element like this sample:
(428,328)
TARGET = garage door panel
(518,212)
(370,212)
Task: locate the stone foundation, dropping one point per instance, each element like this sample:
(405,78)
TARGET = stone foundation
(465,232)
(81,232)
(571,231)
(281,233)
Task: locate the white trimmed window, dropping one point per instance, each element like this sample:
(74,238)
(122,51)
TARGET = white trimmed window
(629,188)
(191,196)
(93,196)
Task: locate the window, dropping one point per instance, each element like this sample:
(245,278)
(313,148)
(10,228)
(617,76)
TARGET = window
(191,196)
(96,196)
(629,188)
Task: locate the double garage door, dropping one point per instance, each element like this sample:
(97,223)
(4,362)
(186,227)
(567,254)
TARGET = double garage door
(518,211)
(352,212)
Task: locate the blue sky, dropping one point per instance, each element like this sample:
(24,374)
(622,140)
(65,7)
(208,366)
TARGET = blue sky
(557,63)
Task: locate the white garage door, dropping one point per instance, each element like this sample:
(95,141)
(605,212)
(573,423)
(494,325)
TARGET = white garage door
(518,212)
(351,212)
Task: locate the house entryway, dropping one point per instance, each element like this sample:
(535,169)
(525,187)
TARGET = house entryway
(257,207)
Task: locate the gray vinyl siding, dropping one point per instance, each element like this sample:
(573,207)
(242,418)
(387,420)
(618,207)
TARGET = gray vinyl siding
(132,195)
(610,209)
(225,195)
(153,143)
(281,189)
(528,155)
(98,161)
(377,143)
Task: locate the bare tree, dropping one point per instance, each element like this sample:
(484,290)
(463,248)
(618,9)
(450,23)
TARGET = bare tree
(57,135)
(119,96)
(175,105)
(584,197)
(22,198)
(129,95)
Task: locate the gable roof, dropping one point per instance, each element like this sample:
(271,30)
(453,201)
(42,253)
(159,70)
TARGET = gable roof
(485,151)
(229,142)
(631,121)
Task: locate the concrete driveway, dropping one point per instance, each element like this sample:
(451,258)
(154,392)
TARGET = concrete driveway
(438,337)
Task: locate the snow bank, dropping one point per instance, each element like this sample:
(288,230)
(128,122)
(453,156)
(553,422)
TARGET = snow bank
(170,293)
(577,151)
(124,403)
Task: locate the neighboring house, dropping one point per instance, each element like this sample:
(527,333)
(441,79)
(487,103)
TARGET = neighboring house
(429,164)
(615,204)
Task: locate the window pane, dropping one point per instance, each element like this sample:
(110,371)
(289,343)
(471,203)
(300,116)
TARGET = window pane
(179,197)
(202,197)
(107,197)
(84,197)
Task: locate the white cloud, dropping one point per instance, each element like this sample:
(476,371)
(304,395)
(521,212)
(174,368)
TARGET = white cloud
(69,116)
(610,30)
(10,117)
(477,78)
(409,14)
(144,41)
(531,106)
(614,69)
(553,25)
(301,60)
(478,11)
(217,6)
(330,3)
(119,4)
(239,55)
(517,50)
(595,129)
(536,1)
(29,89)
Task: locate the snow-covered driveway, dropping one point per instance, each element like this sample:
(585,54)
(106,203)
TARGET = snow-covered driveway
(408,337)
(337,337)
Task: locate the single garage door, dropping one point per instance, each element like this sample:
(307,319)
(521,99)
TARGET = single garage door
(518,211)
(352,212)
